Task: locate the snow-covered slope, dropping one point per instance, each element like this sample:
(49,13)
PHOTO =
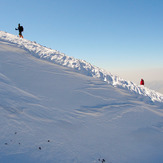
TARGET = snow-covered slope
(79,65)
(52,114)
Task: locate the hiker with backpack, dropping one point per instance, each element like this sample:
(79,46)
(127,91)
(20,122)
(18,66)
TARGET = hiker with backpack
(21,29)
(142,82)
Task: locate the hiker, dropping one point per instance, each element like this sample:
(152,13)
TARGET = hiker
(142,82)
(20,28)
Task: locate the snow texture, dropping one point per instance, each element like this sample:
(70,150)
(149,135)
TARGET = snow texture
(51,113)
(79,65)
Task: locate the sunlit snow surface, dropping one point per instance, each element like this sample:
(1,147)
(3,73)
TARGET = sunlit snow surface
(71,116)
(79,65)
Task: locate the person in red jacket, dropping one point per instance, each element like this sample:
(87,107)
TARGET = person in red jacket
(142,82)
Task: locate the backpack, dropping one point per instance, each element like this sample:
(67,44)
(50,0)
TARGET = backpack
(21,28)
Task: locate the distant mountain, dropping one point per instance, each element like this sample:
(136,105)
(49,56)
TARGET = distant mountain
(155,85)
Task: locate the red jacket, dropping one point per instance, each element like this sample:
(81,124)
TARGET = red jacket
(142,82)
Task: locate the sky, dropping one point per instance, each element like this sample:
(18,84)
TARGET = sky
(124,37)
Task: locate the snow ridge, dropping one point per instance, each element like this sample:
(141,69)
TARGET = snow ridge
(80,65)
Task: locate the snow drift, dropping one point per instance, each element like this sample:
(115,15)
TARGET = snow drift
(79,65)
(50,113)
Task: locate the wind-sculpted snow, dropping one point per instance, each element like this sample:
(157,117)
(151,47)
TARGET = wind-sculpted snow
(79,65)
(51,113)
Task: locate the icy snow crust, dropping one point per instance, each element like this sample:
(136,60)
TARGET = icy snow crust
(81,66)
(52,114)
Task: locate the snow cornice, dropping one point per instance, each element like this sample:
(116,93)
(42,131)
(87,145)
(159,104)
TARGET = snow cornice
(81,66)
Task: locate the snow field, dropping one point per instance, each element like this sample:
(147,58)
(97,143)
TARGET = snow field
(85,118)
(79,65)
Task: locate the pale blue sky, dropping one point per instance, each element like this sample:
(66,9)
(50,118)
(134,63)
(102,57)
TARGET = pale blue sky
(111,34)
